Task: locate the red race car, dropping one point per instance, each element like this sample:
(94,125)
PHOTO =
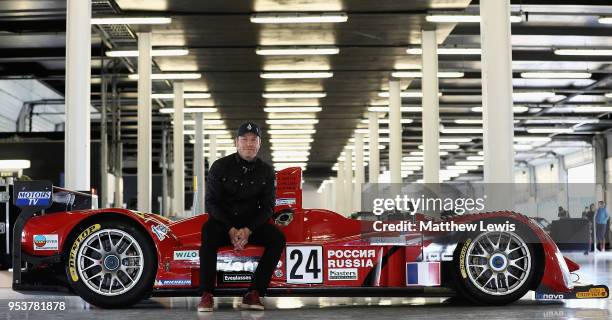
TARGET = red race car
(116,257)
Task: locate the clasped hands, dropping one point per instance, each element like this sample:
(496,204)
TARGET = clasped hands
(239,237)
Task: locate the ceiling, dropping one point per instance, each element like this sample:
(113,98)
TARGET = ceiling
(372,43)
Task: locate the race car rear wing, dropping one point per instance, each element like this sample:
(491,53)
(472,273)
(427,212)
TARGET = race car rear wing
(34,197)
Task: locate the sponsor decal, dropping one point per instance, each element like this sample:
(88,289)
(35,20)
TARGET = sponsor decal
(33,198)
(351,258)
(600,292)
(75,246)
(237,264)
(304,264)
(241,277)
(462,258)
(423,273)
(285,201)
(278,273)
(342,274)
(186,255)
(174,282)
(45,242)
(160,231)
(549,296)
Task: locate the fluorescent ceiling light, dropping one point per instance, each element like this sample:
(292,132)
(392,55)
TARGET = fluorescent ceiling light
(462,130)
(462,18)
(588,109)
(292,109)
(561,120)
(15,165)
(419,74)
(367,131)
(414,158)
(405,94)
(296,75)
(330,17)
(154,53)
(306,50)
(189,110)
(289,147)
(291,140)
(293,95)
(209,132)
(522,147)
(444,147)
(475,158)
(455,140)
(533,95)
(450,51)
(421,153)
(402,109)
(556,75)
(583,52)
(464,167)
(292,121)
(192,95)
(293,131)
(170,76)
(367,121)
(468,121)
(530,139)
(515,109)
(605,20)
(131,20)
(204,121)
(550,130)
(469,163)
(608,95)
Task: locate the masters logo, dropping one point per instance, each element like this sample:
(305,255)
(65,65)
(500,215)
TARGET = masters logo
(75,246)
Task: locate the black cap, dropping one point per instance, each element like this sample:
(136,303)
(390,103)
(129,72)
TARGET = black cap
(249,127)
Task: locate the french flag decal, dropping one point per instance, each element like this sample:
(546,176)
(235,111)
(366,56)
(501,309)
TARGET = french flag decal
(423,273)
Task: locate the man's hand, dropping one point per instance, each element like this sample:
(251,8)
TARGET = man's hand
(239,237)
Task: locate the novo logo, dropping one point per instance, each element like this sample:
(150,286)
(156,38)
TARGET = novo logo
(550,296)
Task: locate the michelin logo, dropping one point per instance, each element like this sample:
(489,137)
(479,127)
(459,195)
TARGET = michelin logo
(179,282)
(186,255)
(342,274)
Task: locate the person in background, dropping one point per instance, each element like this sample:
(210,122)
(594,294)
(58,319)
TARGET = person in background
(589,214)
(562,213)
(601,222)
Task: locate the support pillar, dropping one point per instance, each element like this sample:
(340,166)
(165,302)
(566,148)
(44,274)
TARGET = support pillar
(374,163)
(431,113)
(144,158)
(497,114)
(395,128)
(178,146)
(77,147)
(198,166)
(359,171)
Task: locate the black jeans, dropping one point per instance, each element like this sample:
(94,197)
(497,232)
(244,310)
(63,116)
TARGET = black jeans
(215,236)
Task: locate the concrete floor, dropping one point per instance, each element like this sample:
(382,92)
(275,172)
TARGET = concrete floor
(593,270)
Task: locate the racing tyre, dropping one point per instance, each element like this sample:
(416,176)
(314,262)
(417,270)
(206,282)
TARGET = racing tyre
(111,264)
(495,267)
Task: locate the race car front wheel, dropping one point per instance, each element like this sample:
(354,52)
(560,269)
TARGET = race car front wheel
(495,268)
(111,264)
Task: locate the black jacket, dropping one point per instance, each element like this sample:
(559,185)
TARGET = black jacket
(240,193)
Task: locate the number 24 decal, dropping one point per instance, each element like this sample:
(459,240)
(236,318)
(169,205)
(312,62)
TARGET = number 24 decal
(304,264)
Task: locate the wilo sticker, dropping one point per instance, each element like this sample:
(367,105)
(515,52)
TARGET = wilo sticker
(45,242)
(186,255)
(342,274)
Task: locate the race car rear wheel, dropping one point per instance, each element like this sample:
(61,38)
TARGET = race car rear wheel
(111,264)
(495,268)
